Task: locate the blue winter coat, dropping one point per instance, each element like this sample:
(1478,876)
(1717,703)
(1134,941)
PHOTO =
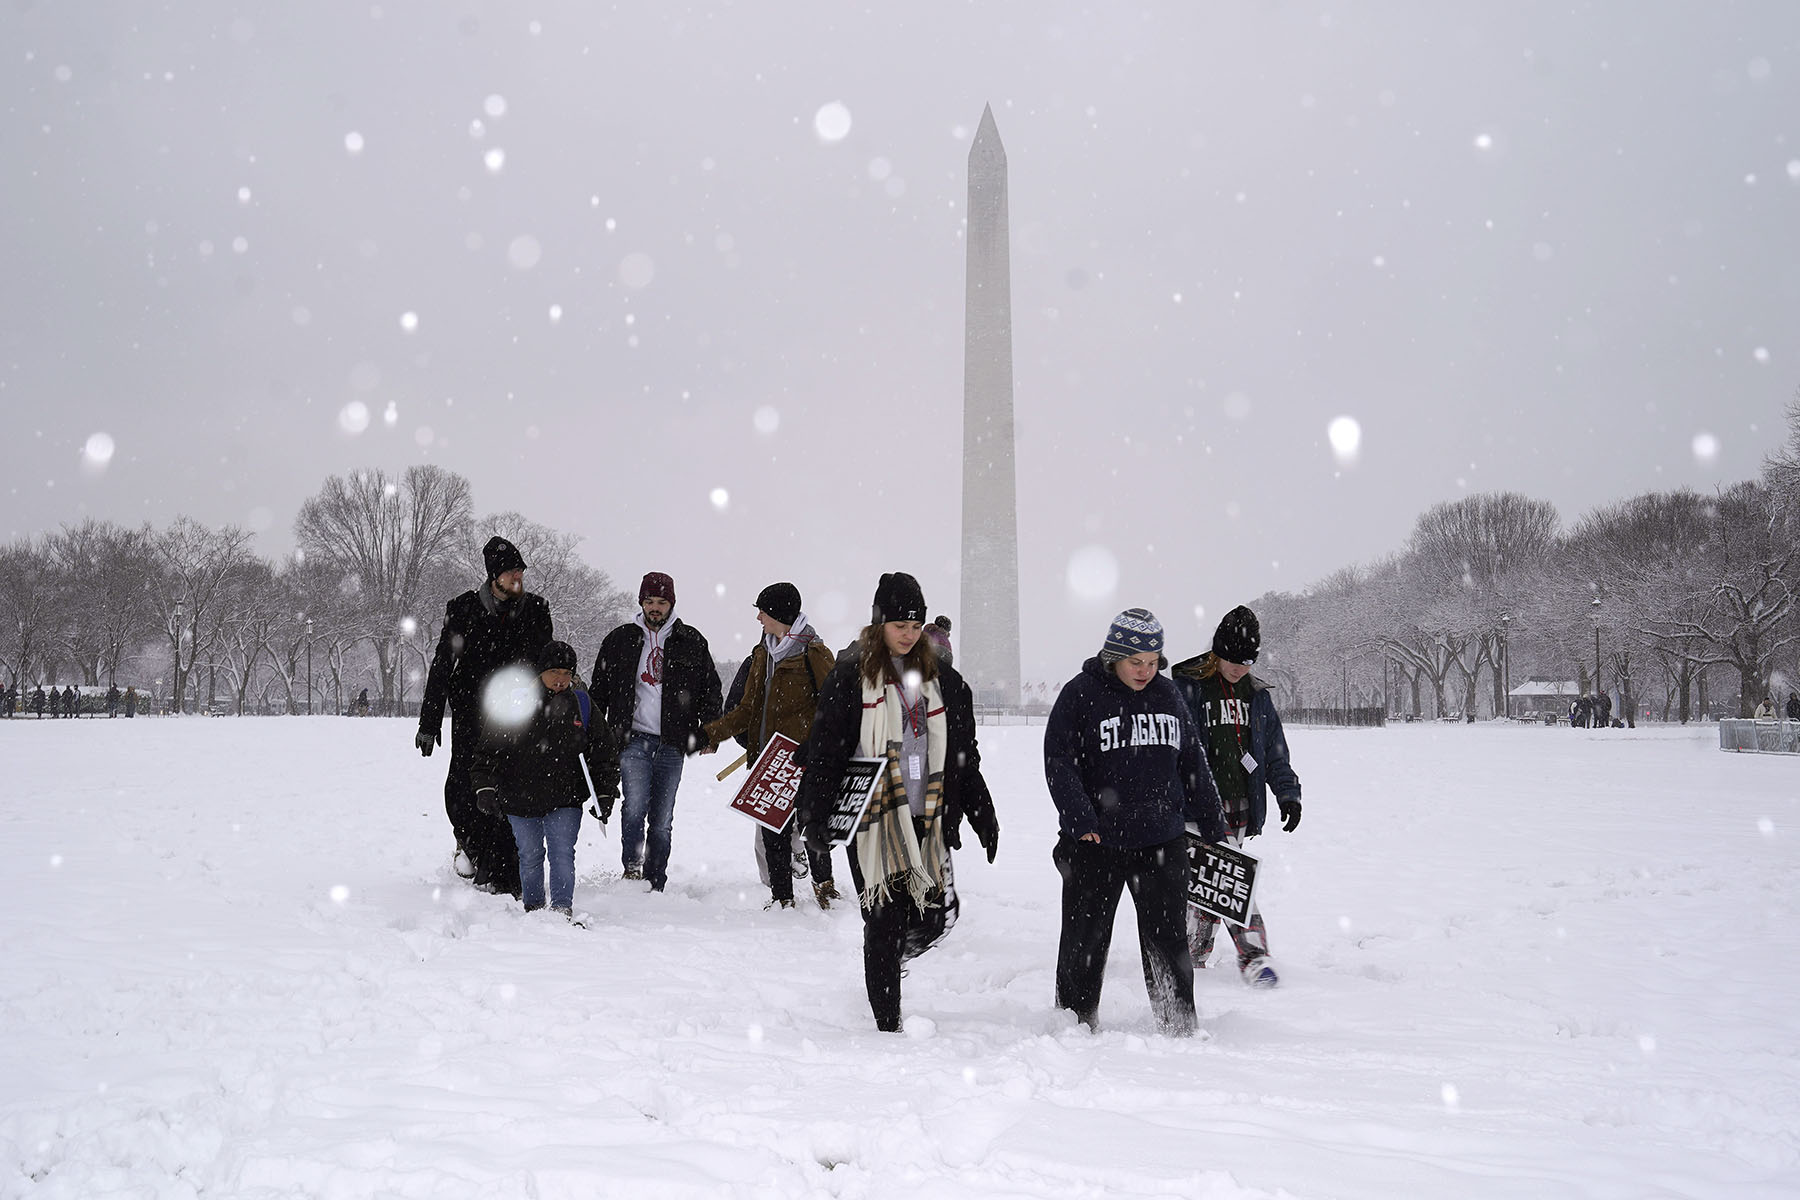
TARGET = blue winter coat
(1268,744)
(1127,765)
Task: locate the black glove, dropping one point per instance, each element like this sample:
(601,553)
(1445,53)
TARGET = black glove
(426,740)
(1290,814)
(606,792)
(990,840)
(818,840)
(953,833)
(487,800)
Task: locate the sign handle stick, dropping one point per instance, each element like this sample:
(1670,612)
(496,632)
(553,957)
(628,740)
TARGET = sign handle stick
(737,762)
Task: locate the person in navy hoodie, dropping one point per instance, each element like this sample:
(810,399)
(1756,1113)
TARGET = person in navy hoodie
(1127,771)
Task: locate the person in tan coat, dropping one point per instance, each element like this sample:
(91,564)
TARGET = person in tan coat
(781,694)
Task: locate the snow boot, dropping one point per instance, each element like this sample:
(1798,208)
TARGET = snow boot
(825,893)
(1260,975)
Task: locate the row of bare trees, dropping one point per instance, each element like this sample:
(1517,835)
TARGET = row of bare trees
(1678,591)
(358,604)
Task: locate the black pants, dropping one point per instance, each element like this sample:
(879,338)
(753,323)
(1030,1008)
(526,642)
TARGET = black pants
(894,932)
(1093,876)
(485,837)
(778,849)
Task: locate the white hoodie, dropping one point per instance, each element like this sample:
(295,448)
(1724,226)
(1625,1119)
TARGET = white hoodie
(646,714)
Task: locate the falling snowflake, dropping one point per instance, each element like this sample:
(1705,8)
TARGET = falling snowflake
(832,122)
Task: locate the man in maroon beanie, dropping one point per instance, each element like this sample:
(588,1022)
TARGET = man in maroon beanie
(654,685)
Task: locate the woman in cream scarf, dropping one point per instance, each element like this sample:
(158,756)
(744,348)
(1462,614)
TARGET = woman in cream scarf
(886,701)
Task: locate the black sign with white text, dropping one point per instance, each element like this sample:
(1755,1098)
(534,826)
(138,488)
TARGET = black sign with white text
(855,791)
(1222,881)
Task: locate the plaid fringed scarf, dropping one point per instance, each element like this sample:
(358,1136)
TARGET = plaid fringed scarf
(892,850)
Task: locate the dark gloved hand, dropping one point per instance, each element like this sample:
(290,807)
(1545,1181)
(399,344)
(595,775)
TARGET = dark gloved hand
(425,741)
(953,832)
(818,840)
(488,801)
(1290,814)
(594,812)
(990,841)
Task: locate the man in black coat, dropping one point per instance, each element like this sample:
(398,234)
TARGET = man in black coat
(496,625)
(654,685)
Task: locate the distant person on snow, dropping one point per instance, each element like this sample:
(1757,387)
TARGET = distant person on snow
(939,634)
(888,700)
(495,625)
(654,686)
(531,774)
(112,701)
(1602,710)
(1125,766)
(361,706)
(1248,755)
(37,702)
(1793,707)
(1766,710)
(782,679)
(131,702)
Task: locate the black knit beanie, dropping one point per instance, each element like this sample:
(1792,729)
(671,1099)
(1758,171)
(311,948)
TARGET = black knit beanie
(781,601)
(1238,637)
(898,598)
(501,556)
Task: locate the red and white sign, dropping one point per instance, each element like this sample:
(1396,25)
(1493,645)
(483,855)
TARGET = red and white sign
(767,797)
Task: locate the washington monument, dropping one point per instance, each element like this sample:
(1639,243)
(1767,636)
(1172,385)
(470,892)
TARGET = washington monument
(990,520)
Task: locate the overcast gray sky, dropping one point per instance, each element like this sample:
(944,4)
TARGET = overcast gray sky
(609,260)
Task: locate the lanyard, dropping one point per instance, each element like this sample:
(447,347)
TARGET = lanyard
(1237,730)
(913,715)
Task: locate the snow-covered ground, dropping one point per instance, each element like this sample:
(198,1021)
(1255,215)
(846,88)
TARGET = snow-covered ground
(1518,962)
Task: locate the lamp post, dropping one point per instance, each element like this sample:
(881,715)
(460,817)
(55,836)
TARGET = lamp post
(175,676)
(1596,611)
(1506,662)
(309,640)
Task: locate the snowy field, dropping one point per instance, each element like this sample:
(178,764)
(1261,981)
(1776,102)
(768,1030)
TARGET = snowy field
(1517,962)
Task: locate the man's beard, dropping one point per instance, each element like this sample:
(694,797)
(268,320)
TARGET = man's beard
(656,622)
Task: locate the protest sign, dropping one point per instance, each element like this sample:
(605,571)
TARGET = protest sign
(1222,880)
(855,790)
(767,797)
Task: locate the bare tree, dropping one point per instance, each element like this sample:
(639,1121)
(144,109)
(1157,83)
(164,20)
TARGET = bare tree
(29,617)
(1473,556)
(255,613)
(383,535)
(107,573)
(198,564)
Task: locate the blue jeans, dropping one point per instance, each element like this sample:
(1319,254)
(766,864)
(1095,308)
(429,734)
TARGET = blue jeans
(558,832)
(649,773)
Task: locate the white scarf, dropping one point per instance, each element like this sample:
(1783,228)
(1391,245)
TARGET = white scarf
(889,849)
